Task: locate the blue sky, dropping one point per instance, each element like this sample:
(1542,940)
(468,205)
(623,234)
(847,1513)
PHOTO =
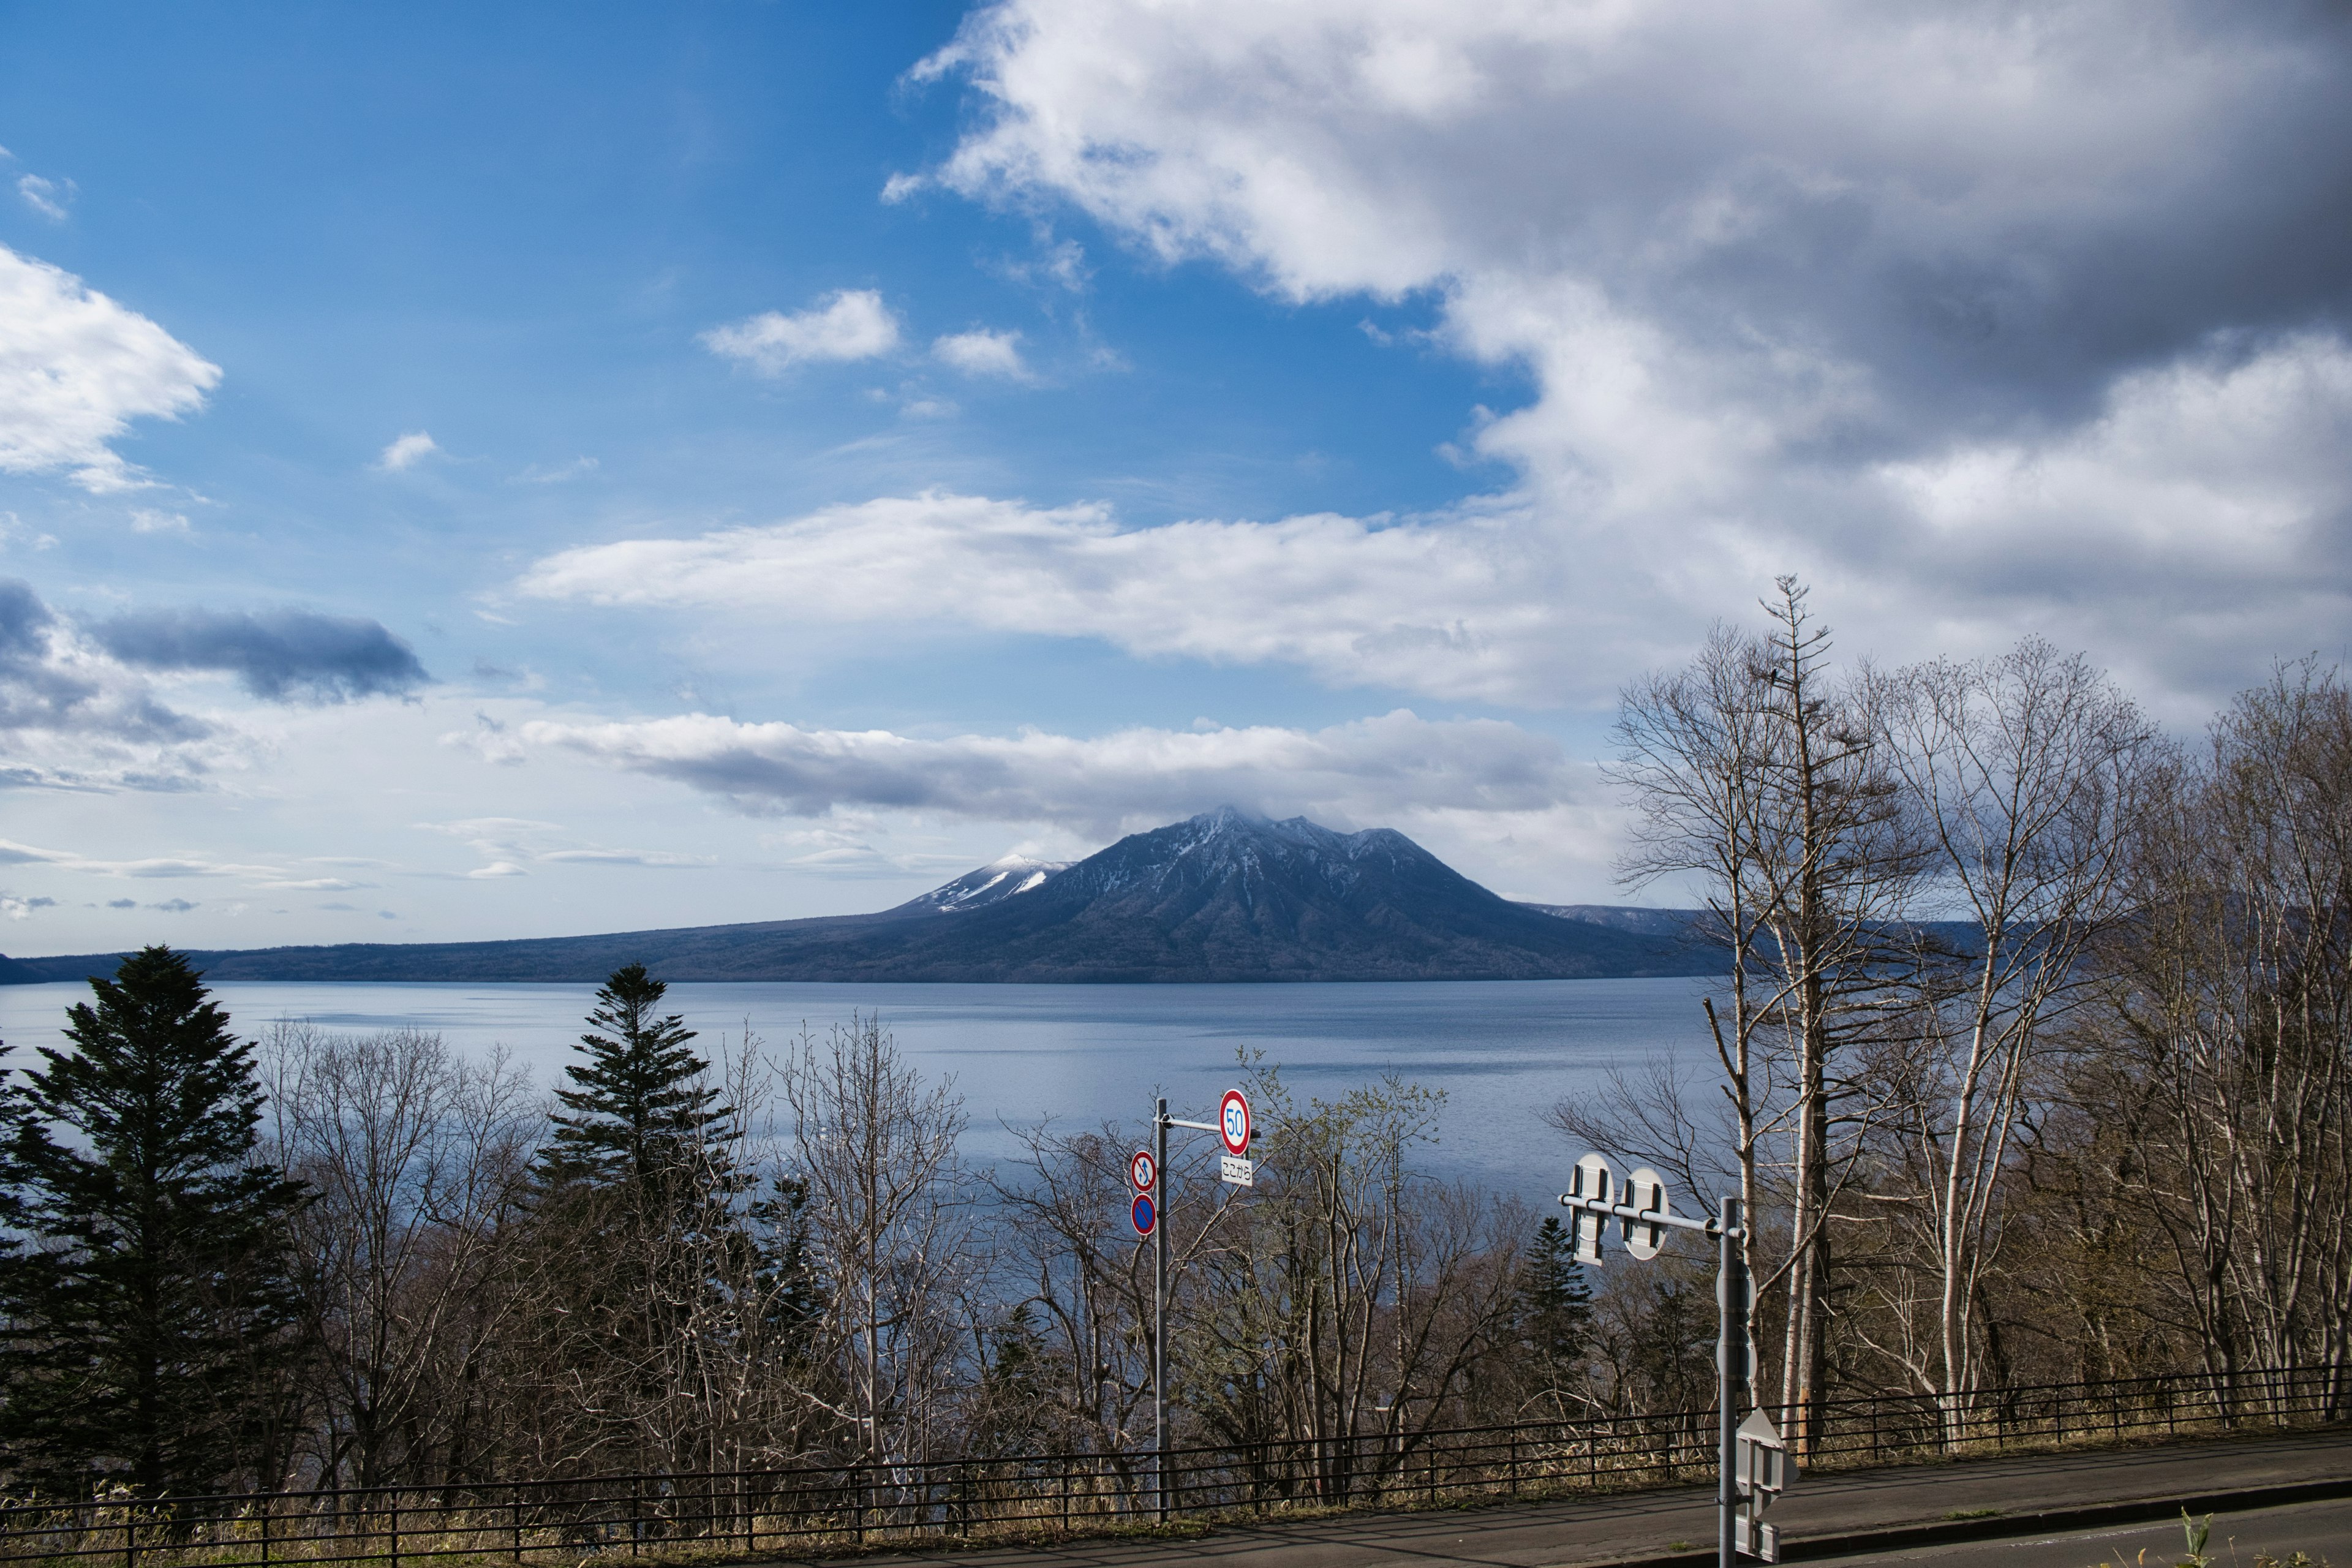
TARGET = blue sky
(486,471)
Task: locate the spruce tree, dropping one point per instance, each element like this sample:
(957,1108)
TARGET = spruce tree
(1555,1305)
(150,1315)
(638,1112)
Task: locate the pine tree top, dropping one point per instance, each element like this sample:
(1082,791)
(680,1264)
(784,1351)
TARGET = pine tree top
(636,1105)
(156,1083)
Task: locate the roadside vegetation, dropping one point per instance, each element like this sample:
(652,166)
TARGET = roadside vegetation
(2035,1037)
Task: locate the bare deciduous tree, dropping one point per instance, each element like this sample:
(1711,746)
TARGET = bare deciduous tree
(2023,772)
(890,1212)
(1761,779)
(417,1158)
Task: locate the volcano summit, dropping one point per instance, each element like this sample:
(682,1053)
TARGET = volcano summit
(1224,896)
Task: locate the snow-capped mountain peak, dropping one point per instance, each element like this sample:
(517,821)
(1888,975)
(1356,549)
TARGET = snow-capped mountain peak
(993,883)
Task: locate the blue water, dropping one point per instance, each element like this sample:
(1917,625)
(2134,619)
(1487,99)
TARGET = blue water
(1503,1051)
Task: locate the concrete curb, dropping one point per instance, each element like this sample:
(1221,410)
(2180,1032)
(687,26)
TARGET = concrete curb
(1806,1549)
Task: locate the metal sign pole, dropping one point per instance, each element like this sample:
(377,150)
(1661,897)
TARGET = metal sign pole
(1731,1350)
(1159,1309)
(1592,1197)
(1150,1215)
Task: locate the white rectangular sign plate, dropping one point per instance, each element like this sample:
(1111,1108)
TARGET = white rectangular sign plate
(1755,1539)
(1234,1170)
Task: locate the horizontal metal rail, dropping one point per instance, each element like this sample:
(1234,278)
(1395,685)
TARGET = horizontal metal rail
(819,1505)
(1710,1225)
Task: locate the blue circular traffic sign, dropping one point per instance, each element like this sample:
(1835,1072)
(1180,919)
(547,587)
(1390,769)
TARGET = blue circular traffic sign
(1145,1216)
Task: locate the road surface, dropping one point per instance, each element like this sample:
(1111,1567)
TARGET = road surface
(1645,1526)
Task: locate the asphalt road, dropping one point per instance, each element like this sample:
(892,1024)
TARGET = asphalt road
(2322,1529)
(1633,1527)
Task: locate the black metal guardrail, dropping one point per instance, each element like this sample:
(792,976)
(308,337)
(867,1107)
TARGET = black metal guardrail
(797,1508)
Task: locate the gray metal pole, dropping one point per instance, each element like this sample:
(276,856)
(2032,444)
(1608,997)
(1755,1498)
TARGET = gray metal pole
(1160,1305)
(1731,1352)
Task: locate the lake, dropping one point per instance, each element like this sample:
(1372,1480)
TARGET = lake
(1503,1051)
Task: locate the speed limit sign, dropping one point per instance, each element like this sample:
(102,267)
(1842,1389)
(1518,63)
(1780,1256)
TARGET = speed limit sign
(1142,1169)
(1233,1123)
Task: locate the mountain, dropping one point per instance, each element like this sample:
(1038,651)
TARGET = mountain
(993,883)
(1224,896)
(1674,925)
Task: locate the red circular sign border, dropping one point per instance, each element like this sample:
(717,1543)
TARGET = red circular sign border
(1249,1122)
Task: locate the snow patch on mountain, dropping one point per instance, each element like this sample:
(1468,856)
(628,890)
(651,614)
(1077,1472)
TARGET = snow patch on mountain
(993,883)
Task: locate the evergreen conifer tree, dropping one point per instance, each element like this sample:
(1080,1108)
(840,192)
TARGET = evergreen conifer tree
(1555,1304)
(636,1111)
(150,1315)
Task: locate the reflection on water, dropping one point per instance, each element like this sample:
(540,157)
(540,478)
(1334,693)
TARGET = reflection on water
(1503,1051)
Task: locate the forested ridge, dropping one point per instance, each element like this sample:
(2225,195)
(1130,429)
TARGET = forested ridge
(2035,1041)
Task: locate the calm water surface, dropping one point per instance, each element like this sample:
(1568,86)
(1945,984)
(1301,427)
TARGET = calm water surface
(1503,1051)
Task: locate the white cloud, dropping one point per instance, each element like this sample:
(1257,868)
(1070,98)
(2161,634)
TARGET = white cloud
(982,352)
(847,324)
(147,519)
(1371,771)
(508,844)
(577,468)
(406,451)
(2207,496)
(44,196)
(14,853)
(1464,608)
(75,368)
(1778,314)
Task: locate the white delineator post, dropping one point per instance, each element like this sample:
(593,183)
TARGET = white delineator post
(1591,1198)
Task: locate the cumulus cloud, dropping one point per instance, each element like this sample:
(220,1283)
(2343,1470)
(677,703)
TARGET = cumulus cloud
(982,352)
(75,369)
(1463,609)
(406,451)
(1777,313)
(1367,771)
(847,324)
(280,654)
